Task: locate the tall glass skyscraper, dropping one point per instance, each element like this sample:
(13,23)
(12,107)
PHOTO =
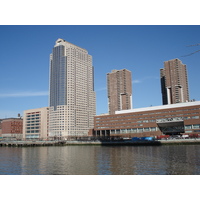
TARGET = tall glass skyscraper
(72,99)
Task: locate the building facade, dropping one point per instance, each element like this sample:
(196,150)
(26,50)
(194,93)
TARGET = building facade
(119,86)
(12,128)
(35,123)
(174,82)
(174,119)
(0,128)
(72,98)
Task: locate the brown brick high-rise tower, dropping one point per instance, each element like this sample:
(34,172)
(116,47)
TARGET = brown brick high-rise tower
(174,82)
(119,85)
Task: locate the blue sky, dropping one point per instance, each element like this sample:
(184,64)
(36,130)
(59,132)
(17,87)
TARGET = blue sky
(25,50)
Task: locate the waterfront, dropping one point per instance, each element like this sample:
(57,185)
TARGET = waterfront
(101,160)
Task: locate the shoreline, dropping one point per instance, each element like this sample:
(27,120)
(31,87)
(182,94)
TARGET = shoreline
(102,143)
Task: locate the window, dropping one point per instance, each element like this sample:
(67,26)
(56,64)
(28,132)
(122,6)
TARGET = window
(112,131)
(153,128)
(196,126)
(188,126)
(140,130)
(146,129)
(123,130)
(134,130)
(117,131)
(195,117)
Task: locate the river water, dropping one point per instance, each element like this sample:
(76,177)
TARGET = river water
(101,160)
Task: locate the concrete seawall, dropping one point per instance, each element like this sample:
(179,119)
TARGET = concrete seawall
(103,143)
(180,141)
(46,143)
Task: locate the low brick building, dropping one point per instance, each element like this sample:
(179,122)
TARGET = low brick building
(174,119)
(12,128)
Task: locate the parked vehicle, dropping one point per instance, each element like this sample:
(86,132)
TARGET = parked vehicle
(142,138)
(162,137)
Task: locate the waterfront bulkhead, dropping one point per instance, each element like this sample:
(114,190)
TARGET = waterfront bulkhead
(173,119)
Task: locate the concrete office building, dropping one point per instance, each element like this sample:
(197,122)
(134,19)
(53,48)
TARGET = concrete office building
(72,98)
(174,82)
(35,123)
(174,119)
(119,86)
(12,128)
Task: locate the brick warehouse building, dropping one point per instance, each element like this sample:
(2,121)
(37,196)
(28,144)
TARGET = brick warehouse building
(174,119)
(12,128)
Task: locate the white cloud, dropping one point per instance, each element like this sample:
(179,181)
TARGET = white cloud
(143,79)
(136,81)
(101,89)
(24,94)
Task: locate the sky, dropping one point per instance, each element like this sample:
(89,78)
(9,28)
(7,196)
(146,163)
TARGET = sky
(142,49)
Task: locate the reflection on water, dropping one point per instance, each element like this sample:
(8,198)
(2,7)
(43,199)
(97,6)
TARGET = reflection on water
(94,160)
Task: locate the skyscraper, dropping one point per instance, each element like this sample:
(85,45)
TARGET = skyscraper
(174,82)
(72,98)
(119,85)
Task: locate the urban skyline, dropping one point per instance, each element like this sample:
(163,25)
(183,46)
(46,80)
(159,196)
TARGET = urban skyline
(25,77)
(24,62)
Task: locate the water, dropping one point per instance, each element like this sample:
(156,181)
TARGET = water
(102,160)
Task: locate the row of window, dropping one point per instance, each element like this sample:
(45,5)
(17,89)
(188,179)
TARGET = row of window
(37,115)
(129,117)
(194,126)
(134,115)
(32,136)
(37,121)
(134,130)
(33,124)
(148,129)
(37,127)
(144,121)
(33,118)
(34,131)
